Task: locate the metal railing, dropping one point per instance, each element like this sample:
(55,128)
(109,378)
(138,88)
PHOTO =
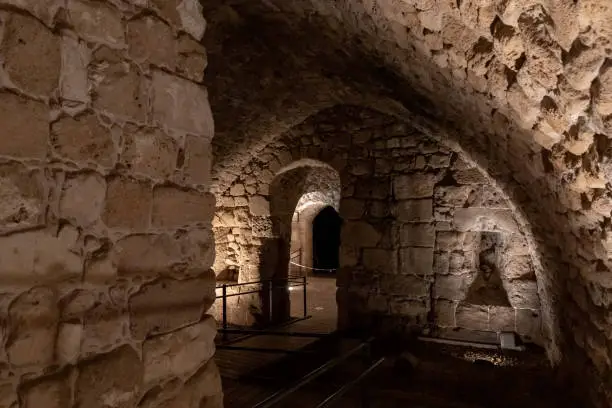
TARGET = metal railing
(265,285)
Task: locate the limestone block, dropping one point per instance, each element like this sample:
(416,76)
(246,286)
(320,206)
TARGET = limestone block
(501,318)
(417,261)
(50,391)
(181,105)
(104,327)
(518,267)
(151,40)
(470,176)
(378,209)
(526,112)
(44,10)
(179,353)
(507,44)
(444,313)
(485,219)
(414,210)
(8,396)
(82,198)
(259,206)
(119,88)
(37,257)
(417,235)
(31,55)
(582,66)
(462,263)
(96,22)
(128,204)
(452,287)
(173,207)
(474,317)
(404,285)
(146,254)
(349,256)
(198,245)
(374,188)
(83,140)
(380,260)
(74,84)
(359,234)
(486,196)
(351,208)
(456,240)
(529,324)
(32,329)
(192,21)
(414,186)
(27,124)
(168,304)
(22,194)
(523,294)
(150,152)
(452,196)
(603,96)
(198,160)
(114,379)
(68,346)
(192,61)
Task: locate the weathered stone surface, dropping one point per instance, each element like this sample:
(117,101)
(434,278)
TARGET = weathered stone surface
(34,317)
(187,299)
(472,317)
(97,22)
(380,260)
(359,234)
(452,287)
(181,105)
(444,313)
(502,318)
(484,219)
(26,122)
(414,186)
(52,391)
(417,235)
(104,328)
(180,353)
(82,198)
(83,140)
(523,294)
(192,21)
(529,324)
(74,84)
(151,40)
(22,192)
(31,54)
(128,204)
(198,160)
(414,210)
(147,254)
(113,379)
(192,59)
(174,207)
(150,152)
(417,261)
(409,285)
(259,206)
(8,395)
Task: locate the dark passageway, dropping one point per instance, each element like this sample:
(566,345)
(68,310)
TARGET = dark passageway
(326,239)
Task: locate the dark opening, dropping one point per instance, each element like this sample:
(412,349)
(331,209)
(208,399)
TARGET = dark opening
(326,239)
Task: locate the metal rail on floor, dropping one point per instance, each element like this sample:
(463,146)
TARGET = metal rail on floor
(282,394)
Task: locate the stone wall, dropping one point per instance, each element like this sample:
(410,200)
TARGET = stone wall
(106,246)
(415,215)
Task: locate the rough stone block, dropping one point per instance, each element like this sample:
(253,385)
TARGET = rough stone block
(151,40)
(417,261)
(68,346)
(501,318)
(168,304)
(49,392)
(128,204)
(451,287)
(472,317)
(121,88)
(150,152)
(414,210)
(74,84)
(82,198)
(456,240)
(117,376)
(485,219)
(417,235)
(83,140)
(444,313)
(105,326)
(25,126)
(22,193)
(486,196)
(352,209)
(181,105)
(518,267)
(179,353)
(33,325)
(529,325)
(192,21)
(451,196)
(470,176)
(414,186)
(412,286)
(259,206)
(359,234)
(523,294)
(37,257)
(31,55)
(416,310)
(8,396)
(380,260)
(44,10)
(198,160)
(174,208)
(96,22)
(146,254)
(192,59)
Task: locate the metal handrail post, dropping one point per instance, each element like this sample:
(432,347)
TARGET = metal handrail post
(224,292)
(270,299)
(305,300)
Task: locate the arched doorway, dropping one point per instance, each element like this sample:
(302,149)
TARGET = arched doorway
(326,241)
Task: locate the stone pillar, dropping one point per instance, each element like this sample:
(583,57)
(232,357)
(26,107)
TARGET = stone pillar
(105,215)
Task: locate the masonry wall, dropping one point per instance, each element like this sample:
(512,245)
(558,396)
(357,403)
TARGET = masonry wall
(414,215)
(105,246)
